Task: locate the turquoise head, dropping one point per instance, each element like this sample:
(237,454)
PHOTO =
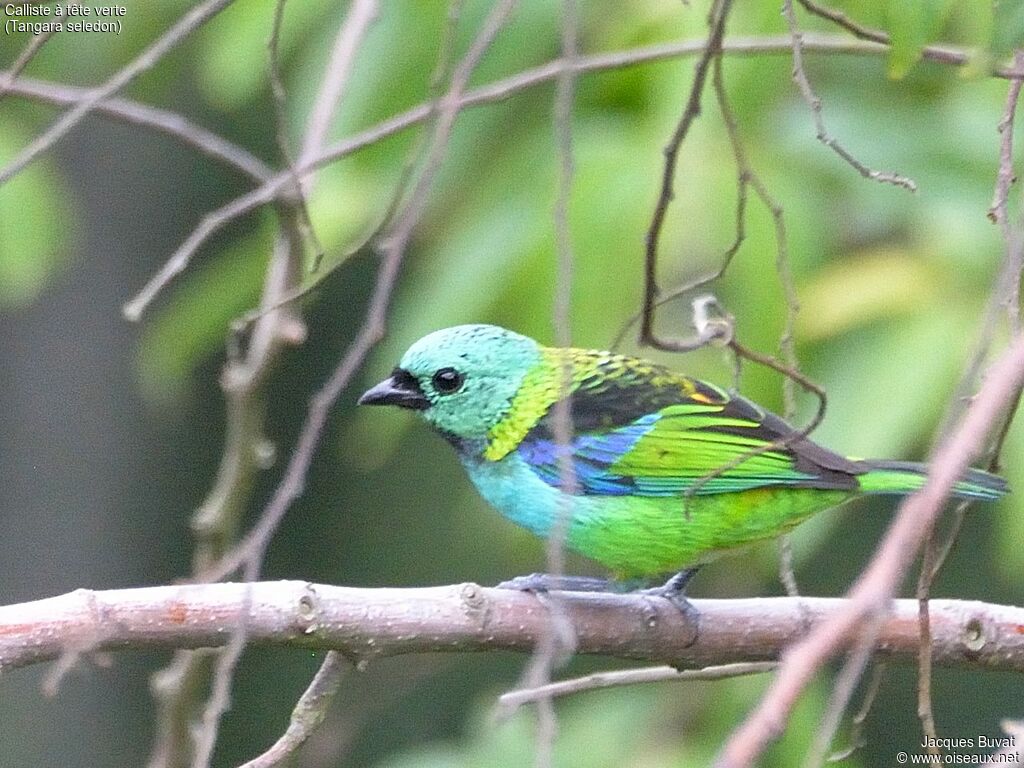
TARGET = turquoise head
(461,379)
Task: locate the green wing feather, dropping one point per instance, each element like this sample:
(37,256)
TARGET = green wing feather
(643,430)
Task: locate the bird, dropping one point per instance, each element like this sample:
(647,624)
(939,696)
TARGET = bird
(667,472)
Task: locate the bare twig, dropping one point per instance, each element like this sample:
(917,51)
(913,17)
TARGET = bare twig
(844,21)
(177,689)
(713,51)
(208,727)
(366,623)
(438,78)
(253,545)
(34,45)
(441,70)
(857,739)
(998,213)
(1006,176)
(924,656)
(787,574)
(215,523)
(510,702)
(713,48)
(336,77)
(494,92)
(308,714)
(745,178)
(1005,296)
(739,46)
(179,260)
(186,25)
(800,78)
(557,644)
(275,322)
(161,120)
(281,124)
(873,591)
(842,692)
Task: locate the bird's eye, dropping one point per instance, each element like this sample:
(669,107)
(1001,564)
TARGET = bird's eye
(447,380)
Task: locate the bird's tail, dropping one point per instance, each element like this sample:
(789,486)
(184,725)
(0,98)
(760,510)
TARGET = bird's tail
(901,477)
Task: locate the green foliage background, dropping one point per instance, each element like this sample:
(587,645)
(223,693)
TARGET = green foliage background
(112,432)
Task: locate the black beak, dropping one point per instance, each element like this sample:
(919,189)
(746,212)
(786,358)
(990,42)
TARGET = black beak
(400,389)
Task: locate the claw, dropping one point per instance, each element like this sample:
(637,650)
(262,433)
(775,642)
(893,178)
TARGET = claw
(546,582)
(674,590)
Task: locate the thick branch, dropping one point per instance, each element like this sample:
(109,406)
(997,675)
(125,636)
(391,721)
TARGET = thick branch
(366,623)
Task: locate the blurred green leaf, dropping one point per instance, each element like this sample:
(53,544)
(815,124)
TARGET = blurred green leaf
(876,285)
(1006,20)
(912,25)
(194,322)
(235,58)
(37,218)
(907,28)
(669,725)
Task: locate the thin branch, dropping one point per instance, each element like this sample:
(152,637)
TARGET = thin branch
(367,623)
(857,739)
(336,77)
(1006,176)
(938,53)
(175,125)
(800,78)
(177,689)
(186,25)
(844,21)
(557,645)
(351,35)
(713,48)
(277,88)
(161,120)
(308,715)
(35,44)
(872,594)
(276,322)
(207,728)
(842,692)
(215,523)
(435,88)
(924,657)
(745,178)
(441,71)
(787,573)
(1005,295)
(998,213)
(713,51)
(488,94)
(253,545)
(510,702)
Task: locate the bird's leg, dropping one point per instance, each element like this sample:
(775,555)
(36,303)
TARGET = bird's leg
(674,590)
(548,582)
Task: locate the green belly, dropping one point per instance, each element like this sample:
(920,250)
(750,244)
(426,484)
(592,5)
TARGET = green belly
(644,536)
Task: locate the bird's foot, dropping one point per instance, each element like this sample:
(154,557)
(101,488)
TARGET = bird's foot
(674,590)
(548,582)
